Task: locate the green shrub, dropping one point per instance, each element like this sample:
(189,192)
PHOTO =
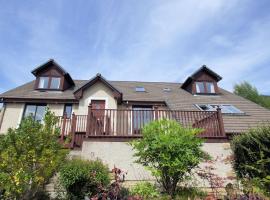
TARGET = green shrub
(252,157)
(145,190)
(82,177)
(185,193)
(190,193)
(169,151)
(29,156)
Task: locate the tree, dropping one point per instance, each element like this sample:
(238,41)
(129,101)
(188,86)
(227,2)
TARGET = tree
(251,93)
(169,151)
(252,157)
(29,156)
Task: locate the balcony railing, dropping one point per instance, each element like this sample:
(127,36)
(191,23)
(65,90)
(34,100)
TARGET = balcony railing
(129,123)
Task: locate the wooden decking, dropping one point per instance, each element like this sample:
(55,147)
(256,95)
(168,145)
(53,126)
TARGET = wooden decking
(123,124)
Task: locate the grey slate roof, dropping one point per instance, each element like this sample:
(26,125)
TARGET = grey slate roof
(177,99)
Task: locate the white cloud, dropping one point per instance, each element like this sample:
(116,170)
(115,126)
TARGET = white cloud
(150,41)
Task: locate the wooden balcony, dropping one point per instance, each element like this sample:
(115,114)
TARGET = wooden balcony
(113,123)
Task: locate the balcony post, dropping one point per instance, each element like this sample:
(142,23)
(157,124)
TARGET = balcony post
(73,129)
(88,120)
(63,127)
(156,112)
(220,122)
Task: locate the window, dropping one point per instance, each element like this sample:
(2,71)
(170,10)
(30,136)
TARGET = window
(200,87)
(141,116)
(225,108)
(55,83)
(205,87)
(210,87)
(205,107)
(43,82)
(49,82)
(68,110)
(140,89)
(167,89)
(37,111)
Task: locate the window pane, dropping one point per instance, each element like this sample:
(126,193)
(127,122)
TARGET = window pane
(68,110)
(55,83)
(141,116)
(40,113)
(205,108)
(30,110)
(140,89)
(229,109)
(226,108)
(200,87)
(43,82)
(210,87)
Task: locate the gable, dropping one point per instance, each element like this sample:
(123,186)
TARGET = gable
(79,93)
(52,69)
(205,76)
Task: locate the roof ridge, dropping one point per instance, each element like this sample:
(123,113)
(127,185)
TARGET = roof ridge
(148,82)
(134,81)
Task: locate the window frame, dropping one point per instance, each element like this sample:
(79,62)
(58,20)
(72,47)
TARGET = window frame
(141,87)
(211,108)
(50,83)
(64,111)
(33,104)
(205,89)
(39,81)
(59,84)
(138,121)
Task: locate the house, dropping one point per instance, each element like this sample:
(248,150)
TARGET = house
(100,115)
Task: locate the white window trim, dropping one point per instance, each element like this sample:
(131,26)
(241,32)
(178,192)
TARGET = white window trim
(41,80)
(198,87)
(59,84)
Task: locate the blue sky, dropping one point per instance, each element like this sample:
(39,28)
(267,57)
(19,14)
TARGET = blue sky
(137,40)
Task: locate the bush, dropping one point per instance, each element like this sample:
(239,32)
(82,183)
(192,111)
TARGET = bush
(145,190)
(190,193)
(82,177)
(29,156)
(252,158)
(169,151)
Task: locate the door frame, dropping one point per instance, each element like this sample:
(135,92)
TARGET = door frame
(133,129)
(106,107)
(99,98)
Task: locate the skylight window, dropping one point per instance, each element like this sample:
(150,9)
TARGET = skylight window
(167,89)
(225,108)
(140,89)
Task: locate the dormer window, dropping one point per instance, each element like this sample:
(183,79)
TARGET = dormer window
(200,87)
(210,87)
(43,82)
(55,83)
(51,76)
(203,81)
(49,83)
(205,87)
